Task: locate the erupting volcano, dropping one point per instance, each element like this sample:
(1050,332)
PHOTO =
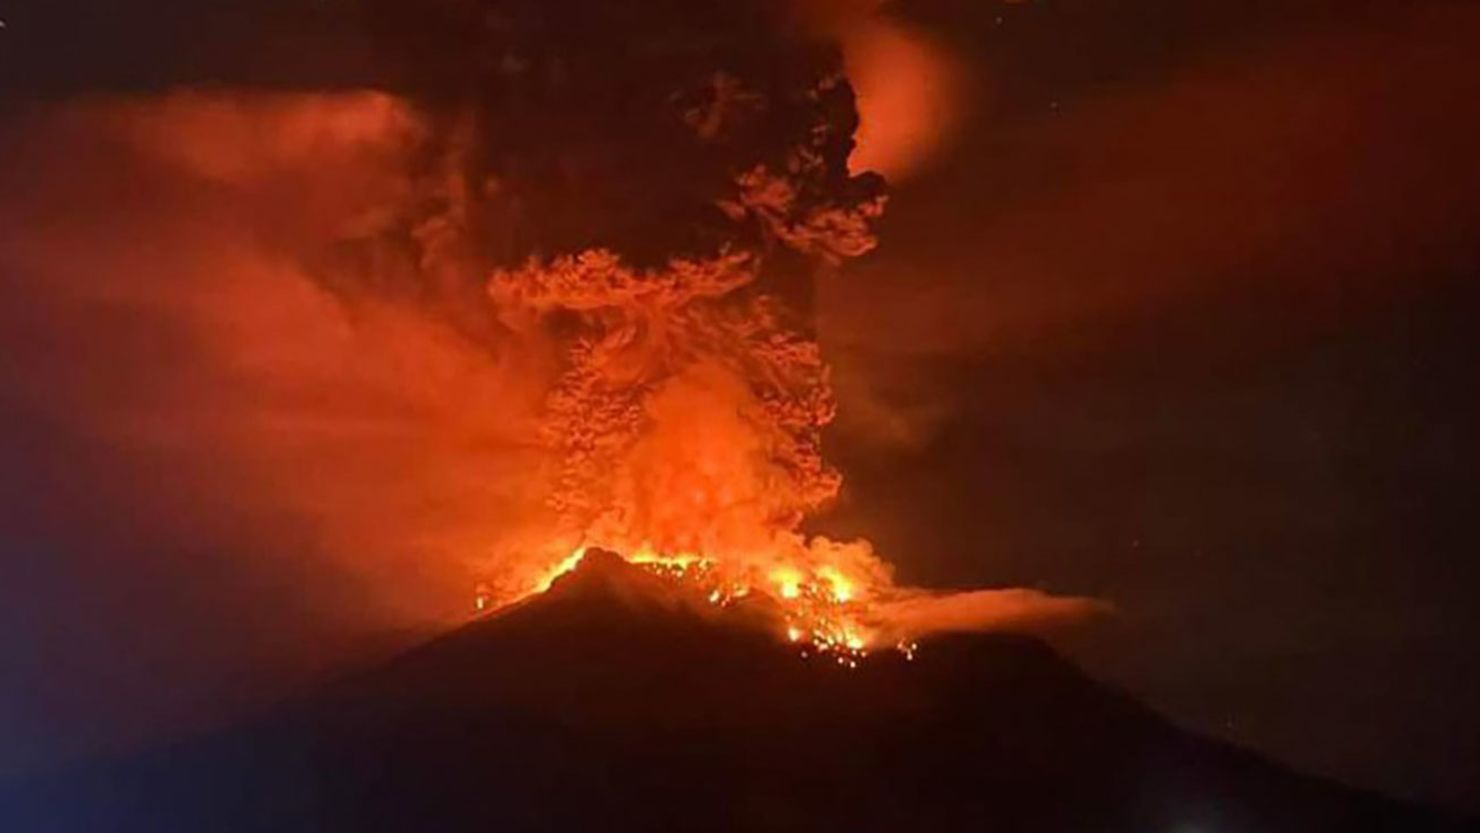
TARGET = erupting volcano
(539,321)
(618,700)
(644,245)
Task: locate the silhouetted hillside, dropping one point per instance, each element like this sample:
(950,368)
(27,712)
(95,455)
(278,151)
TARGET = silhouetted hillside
(612,704)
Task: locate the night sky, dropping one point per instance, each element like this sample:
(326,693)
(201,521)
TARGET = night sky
(1178,316)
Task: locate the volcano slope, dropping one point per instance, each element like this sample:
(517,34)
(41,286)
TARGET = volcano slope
(613,703)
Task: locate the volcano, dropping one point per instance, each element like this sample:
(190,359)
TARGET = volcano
(615,702)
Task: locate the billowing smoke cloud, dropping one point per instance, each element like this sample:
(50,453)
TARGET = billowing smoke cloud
(911,87)
(645,241)
(164,259)
(653,238)
(222,474)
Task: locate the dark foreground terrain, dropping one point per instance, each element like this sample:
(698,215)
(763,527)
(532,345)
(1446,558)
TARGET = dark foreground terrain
(606,705)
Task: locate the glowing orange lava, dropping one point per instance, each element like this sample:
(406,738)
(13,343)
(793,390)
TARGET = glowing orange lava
(822,607)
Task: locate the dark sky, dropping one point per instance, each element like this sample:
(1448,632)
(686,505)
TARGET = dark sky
(1183,319)
(1179,317)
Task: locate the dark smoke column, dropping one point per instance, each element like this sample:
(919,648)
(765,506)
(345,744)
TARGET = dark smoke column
(588,124)
(646,191)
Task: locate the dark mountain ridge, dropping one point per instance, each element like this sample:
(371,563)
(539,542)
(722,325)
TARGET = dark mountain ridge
(614,702)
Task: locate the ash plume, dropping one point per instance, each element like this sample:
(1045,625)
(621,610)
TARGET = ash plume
(645,240)
(344,355)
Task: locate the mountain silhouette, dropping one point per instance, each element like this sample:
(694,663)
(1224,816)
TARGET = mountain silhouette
(614,702)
